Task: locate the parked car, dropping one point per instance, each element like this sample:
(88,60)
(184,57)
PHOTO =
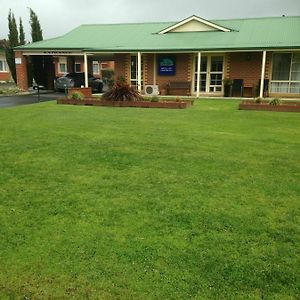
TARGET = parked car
(77,80)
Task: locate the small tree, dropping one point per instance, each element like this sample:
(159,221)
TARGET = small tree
(36,31)
(22,34)
(13,41)
(36,61)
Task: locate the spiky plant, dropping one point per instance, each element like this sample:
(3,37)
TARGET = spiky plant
(122,91)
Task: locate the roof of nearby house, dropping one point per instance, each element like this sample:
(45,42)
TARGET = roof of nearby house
(244,34)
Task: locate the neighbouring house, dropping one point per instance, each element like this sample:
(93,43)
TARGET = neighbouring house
(5,74)
(193,56)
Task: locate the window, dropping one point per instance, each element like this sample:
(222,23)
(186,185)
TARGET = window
(134,71)
(62,65)
(77,67)
(211,74)
(3,67)
(96,67)
(286,73)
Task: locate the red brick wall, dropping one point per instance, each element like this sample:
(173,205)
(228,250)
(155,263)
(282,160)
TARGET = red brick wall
(5,76)
(122,66)
(182,71)
(247,66)
(21,70)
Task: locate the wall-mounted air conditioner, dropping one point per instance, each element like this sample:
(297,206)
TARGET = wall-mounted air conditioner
(151,90)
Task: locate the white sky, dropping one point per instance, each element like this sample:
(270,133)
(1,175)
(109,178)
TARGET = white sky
(57,17)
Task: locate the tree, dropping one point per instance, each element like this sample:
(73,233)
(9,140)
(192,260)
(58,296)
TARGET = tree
(37,62)
(36,31)
(13,41)
(22,33)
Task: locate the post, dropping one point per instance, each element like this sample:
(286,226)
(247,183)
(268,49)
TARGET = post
(262,77)
(86,80)
(154,68)
(139,71)
(198,73)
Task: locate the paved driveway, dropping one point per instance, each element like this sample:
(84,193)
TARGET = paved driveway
(8,101)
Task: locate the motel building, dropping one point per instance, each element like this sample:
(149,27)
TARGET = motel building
(259,56)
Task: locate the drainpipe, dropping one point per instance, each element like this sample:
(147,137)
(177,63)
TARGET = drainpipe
(86,81)
(139,71)
(198,73)
(262,77)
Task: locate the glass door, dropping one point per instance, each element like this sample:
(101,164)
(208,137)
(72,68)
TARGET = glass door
(211,73)
(134,71)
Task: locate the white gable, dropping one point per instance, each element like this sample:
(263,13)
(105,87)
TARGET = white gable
(194,24)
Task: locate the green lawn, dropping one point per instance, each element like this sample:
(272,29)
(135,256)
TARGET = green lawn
(127,203)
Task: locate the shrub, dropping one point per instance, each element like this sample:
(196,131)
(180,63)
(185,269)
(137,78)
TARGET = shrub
(154,99)
(275,101)
(258,100)
(122,91)
(76,96)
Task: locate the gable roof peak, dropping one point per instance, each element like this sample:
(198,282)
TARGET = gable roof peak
(198,24)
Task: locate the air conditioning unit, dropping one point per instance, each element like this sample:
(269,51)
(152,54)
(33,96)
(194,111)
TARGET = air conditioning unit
(151,90)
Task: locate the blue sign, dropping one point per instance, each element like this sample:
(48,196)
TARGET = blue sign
(166,66)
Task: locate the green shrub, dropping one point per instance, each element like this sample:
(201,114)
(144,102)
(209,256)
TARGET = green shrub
(122,91)
(76,96)
(258,100)
(154,99)
(275,101)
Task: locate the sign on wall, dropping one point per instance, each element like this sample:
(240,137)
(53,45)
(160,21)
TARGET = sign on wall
(18,60)
(166,66)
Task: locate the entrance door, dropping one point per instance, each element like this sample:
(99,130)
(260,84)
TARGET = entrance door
(211,73)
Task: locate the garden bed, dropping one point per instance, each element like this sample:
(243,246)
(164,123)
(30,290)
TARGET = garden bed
(143,104)
(283,107)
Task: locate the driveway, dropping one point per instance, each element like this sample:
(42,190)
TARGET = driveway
(8,101)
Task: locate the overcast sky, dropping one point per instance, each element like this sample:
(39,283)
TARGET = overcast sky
(57,17)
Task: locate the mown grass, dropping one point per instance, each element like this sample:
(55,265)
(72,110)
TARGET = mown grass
(128,203)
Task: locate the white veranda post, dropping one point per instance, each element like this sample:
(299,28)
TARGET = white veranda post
(198,73)
(263,69)
(86,83)
(139,71)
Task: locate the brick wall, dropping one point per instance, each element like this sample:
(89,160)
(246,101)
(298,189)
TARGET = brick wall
(183,71)
(21,70)
(247,66)
(5,76)
(122,66)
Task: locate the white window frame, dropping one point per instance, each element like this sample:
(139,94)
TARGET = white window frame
(4,64)
(76,64)
(134,81)
(96,63)
(277,85)
(208,73)
(62,61)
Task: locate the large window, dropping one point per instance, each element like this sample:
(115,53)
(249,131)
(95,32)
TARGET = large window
(211,74)
(3,67)
(286,73)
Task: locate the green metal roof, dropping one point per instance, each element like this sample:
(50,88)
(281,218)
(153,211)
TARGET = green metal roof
(245,34)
